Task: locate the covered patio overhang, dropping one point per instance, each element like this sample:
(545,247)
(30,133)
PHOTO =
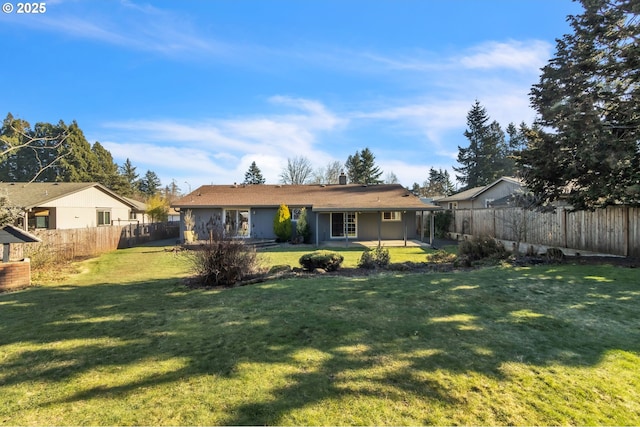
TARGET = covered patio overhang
(429,209)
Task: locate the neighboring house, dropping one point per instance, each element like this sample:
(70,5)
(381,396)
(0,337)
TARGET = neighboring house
(334,212)
(483,197)
(138,211)
(64,205)
(173,215)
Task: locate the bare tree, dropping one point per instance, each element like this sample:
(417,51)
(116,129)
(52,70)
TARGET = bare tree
(14,138)
(517,218)
(391,178)
(18,139)
(329,174)
(297,172)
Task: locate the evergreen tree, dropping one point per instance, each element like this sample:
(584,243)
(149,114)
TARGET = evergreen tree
(150,184)
(494,155)
(517,141)
(353,165)
(361,168)
(108,173)
(586,145)
(128,172)
(303,229)
(78,162)
(282,224)
(438,184)
(483,161)
(254,175)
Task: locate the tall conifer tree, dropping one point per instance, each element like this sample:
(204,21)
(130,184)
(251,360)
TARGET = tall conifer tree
(587,102)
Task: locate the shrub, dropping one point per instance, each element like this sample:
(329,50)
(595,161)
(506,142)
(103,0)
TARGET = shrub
(480,247)
(554,255)
(282,224)
(224,262)
(442,222)
(372,258)
(302,227)
(327,260)
(441,257)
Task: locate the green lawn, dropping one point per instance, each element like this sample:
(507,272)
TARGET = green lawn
(125,343)
(291,254)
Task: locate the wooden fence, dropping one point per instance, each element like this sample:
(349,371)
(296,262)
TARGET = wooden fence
(88,242)
(614,230)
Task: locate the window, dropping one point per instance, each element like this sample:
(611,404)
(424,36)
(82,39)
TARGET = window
(104,217)
(342,222)
(453,205)
(391,216)
(295,213)
(488,202)
(133,215)
(39,219)
(39,222)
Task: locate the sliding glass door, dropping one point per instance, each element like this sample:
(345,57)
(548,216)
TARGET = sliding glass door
(344,223)
(237,223)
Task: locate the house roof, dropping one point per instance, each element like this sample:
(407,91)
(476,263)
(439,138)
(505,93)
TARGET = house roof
(33,194)
(473,193)
(137,205)
(11,234)
(321,198)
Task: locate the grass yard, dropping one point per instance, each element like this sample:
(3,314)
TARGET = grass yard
(290,255)
(124,343)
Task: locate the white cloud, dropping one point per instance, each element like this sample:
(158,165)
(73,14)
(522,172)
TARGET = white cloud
(517,55)
(225,148)
(132,26)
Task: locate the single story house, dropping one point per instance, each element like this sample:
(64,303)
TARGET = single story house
(483,197)
(138,211)
(65,205)
(334,212)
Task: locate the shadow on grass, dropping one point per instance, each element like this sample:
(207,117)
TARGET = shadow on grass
(389,329)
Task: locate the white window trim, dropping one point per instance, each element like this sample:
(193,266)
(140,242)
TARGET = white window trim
(355,223)
(247,233)
(396,216)
(295,213)
(100,213)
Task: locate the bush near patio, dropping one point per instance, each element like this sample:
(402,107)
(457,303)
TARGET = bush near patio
(282,226)
(377,257)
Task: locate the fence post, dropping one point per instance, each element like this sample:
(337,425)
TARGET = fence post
(494,223)
(625,231)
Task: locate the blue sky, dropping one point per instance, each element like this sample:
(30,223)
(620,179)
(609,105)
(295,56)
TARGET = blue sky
(197,90)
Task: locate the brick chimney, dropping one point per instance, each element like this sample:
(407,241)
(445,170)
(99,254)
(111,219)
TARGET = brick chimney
(342,179)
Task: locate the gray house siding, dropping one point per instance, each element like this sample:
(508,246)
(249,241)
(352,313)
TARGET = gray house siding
(261,224)
(261,221)
(368,227)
